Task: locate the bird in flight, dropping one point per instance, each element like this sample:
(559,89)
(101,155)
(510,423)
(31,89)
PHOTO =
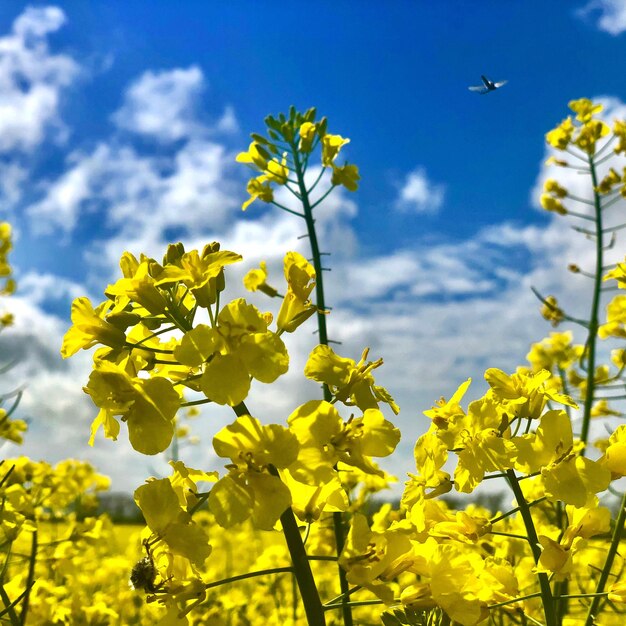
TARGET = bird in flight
(487,86)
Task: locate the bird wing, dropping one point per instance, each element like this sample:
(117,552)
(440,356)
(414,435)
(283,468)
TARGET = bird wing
(502,82)
(478,89)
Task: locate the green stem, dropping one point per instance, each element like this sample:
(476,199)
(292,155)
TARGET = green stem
(315,253)
(544,583)
(514,600)
(234,579)
(323,339)
(593,317)
(302,570)
(610,557)
(330,607)
(343,595)
(30,579)
(516,509)
(9,607)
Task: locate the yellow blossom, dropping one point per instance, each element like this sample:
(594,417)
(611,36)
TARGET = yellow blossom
(346,175)
(585,109)
(331,145)
(307,135)
(551,311)
(550,203)
(560,137)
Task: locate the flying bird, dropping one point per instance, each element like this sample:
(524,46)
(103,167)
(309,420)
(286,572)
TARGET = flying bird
(487,86)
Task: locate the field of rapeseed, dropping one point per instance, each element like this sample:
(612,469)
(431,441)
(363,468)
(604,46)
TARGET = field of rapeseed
(283,535)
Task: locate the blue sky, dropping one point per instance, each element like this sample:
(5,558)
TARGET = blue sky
(119,123)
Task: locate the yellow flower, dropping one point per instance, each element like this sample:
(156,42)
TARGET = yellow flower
(430,480)
(326,439)
(614,458)
(255,280)
(250,489)
(455,583)
(331,145)
(296,307)
(479,439)
(347,175)
(351,383)
(554,352)
(602,409)
(170,522)
(550,203)
(554,558)
(444,411)
(618,357)
(551,311)
(615,325)
(139,287)
(554,161)
(550,450)
(585,109)
(552,187)
(259,189)
(277,171)
(525,394)
(618,273)
(589,134)
(310,501)
(89,328)
(307,135)
(197,270)
(586,522)
(609,181)
(148,406)
(256,155)
(619,130)
(374,559)
(11,429)
(560,137)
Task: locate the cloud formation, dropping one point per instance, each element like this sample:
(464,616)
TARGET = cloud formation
(417,194)
(32,80)
(164,105)
(610,15)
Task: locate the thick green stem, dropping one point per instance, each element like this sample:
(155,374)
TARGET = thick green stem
(592,338)
(302,570)
(30,579)
(315,253)
(610,557)
(547,599)
(9,606)
(323,339)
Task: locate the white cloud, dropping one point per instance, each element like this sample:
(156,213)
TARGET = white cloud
(612,15)
(32,80)
(38,22)
(138,193)
(60,208)
(418,194)
(163,105)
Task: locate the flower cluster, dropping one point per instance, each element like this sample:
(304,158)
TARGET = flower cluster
(285,152)
(163,334)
